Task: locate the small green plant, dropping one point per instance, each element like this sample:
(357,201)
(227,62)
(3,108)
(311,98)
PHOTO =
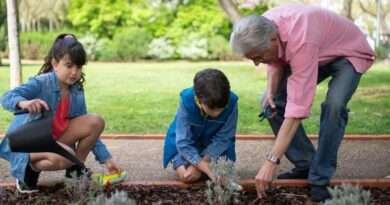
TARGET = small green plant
(225,187)
(117,198)
(3,194)
(82,189)
(347,194)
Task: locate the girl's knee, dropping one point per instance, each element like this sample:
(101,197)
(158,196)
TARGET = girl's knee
(60,163)
(96,121)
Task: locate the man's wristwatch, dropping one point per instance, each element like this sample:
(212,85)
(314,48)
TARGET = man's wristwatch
(272,158)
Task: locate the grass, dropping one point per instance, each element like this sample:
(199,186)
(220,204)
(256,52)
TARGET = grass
(143,97)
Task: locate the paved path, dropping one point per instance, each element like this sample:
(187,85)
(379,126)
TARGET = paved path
(142,160)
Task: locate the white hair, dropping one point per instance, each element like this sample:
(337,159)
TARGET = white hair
(252,32)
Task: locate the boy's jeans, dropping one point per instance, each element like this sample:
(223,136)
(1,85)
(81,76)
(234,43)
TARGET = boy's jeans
(334,117)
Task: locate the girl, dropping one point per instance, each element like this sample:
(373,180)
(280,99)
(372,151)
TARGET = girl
(58,88)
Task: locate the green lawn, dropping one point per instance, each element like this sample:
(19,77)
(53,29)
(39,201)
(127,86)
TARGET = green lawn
(142,97)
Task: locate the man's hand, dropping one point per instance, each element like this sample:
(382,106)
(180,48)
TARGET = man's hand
(269,100)
(33,106)
(264,178)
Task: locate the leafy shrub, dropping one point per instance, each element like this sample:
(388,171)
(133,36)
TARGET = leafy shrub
(2,193)
(117,198)
(91,44)
(127,45)
(3,38)
(82,189)
(106,51)
(161,48)
(219,49)
(36,45)
(132,44)
(225,188)
(382,52)
(348,195)
(194,47)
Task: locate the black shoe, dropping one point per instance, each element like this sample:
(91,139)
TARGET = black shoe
(294,174)
(77,171)
(24,188)
(319,193)
(30,181)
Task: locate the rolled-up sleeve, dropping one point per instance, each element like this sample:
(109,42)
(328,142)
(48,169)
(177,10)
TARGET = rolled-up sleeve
(184,139)
(101,152)
(224,137)
(27,91)
(301,85)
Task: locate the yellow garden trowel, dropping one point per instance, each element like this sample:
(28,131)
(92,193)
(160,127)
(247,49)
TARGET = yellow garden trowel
(109,179)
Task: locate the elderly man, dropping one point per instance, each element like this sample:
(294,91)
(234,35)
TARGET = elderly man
(303,45)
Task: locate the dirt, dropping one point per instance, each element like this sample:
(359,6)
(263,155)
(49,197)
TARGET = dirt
(168,195)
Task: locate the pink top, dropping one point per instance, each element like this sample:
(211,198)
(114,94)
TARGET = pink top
(311,36)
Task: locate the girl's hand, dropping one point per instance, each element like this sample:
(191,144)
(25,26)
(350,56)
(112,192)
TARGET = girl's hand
(111,166)
(33,106)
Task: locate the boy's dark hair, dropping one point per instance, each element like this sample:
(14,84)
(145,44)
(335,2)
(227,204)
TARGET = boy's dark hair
(212,88)
(66,44)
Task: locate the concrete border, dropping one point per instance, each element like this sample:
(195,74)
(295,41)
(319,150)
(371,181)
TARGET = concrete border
(248,184)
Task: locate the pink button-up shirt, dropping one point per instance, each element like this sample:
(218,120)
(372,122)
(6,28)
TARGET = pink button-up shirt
(309,37)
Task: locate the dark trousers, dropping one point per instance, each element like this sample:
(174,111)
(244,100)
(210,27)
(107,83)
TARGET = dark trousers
(334,117)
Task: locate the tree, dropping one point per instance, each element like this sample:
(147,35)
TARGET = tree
(39,14)
(369,7)
(99,17)
(3,19)
(230,9)
(235,9)
(347,9)
(13,42)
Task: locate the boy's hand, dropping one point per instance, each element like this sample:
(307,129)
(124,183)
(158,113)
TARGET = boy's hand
(192,173)
(204,167)
(112,167)
(33,106)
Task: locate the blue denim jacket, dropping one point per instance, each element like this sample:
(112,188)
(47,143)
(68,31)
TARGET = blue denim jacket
(44,87)
(193,135)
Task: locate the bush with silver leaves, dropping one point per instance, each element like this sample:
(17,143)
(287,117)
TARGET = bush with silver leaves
(225,189)
(347,194)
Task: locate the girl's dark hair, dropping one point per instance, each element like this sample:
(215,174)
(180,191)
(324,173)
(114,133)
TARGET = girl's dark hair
(66,44)
(212,88)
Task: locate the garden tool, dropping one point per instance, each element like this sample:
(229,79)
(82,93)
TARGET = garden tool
(109,179)
(36,136)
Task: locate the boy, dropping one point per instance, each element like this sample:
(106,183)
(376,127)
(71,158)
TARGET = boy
(204,126)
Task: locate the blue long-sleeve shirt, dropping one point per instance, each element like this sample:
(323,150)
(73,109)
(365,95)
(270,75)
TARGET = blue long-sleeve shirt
(193,135)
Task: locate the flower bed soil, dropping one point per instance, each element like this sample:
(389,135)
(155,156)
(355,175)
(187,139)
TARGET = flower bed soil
(157,195)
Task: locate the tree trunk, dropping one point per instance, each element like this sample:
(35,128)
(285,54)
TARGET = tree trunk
(13,43)
(347,9)
(230,10)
